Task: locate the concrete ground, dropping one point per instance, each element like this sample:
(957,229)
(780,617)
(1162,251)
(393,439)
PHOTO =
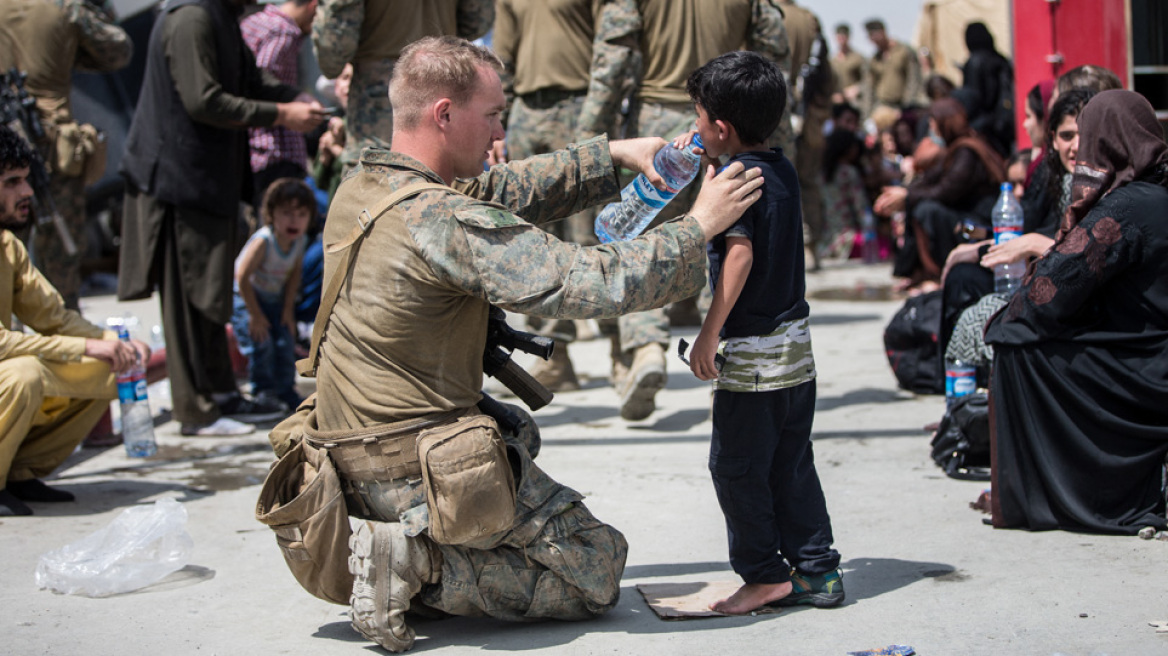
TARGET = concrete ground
(921,568)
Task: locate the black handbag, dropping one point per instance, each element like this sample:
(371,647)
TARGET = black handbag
(961,446)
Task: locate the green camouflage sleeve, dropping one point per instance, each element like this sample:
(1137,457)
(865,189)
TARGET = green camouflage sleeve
(494,255)
(105,47)
(336,31)
(768,37)
(551,186)
(474,18)
(616,65)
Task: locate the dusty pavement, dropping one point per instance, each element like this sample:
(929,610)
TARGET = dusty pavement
(920,567)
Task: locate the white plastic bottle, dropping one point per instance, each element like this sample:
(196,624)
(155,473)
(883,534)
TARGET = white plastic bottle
(137,421)
(641,201)
(1008,225)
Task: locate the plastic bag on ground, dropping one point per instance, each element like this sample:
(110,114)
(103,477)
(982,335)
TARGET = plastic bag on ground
(140,547)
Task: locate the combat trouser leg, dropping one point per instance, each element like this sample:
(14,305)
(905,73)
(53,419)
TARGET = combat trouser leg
(369,117)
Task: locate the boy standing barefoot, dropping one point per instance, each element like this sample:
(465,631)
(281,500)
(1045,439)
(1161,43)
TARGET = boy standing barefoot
(764,395)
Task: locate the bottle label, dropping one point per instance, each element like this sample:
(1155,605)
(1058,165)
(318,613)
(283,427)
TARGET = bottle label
(1003,234)
(650,195)
(131,388)
(960,381)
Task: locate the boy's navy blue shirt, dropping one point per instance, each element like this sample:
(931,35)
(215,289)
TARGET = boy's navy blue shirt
(773,293)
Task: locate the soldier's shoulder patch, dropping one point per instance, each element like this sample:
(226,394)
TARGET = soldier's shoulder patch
(487,216)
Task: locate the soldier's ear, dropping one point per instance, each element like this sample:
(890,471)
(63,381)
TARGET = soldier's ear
(440,112)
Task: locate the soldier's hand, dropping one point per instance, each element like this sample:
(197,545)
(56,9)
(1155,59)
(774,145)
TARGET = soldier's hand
(637,155)
(300,116)
(118,355)
(725,196)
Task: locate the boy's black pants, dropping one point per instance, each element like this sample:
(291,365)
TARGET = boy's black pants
(764,475)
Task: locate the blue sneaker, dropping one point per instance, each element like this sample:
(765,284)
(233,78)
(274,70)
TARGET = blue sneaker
(819,590)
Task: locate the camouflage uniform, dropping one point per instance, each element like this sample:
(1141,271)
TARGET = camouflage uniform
(51,39)
(620,51)
(406,338)
(369,34)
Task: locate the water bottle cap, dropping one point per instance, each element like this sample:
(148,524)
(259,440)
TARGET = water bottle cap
(1007,186)
(123,333)
(697,141)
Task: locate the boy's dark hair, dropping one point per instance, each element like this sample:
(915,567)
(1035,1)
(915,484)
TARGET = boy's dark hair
(287,191)
(15,153)
(743,89)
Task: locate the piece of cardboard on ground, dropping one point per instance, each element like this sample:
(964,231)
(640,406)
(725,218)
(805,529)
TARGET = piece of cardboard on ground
(687,601)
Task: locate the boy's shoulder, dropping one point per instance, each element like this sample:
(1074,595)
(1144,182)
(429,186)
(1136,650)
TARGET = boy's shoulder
(778,171)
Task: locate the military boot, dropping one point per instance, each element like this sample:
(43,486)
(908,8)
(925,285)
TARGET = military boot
(639,387)
(557,373)
(388,570)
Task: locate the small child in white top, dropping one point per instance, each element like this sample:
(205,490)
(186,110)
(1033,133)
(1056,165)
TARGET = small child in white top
(267,279)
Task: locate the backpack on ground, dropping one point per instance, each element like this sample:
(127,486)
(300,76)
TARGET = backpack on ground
(910,341)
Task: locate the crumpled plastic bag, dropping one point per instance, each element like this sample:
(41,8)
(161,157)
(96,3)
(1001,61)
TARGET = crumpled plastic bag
(141,546)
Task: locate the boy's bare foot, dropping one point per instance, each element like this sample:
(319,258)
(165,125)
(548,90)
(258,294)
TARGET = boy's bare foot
(751,596)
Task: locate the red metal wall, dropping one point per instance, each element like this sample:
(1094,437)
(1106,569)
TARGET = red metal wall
(1080,31)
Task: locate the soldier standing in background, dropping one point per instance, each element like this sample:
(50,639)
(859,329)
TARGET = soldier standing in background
(810,82)
(369,34)
(49,40)
(546,50)
(848,66)
(654,45)
(893,81)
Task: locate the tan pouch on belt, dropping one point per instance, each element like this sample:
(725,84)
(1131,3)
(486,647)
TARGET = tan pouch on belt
(81,151)
(470,488)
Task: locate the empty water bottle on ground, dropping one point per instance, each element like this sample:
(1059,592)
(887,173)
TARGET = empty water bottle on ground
(137,422)
(869,248)
(641,201)
(960,380)
(1007,226)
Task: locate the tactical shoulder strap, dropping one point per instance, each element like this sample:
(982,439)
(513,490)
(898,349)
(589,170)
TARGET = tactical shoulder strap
(347,249)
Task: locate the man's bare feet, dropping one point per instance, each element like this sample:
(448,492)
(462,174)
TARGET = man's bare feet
(751,596)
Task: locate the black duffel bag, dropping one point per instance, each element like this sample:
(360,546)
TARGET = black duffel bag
(910,342)
(961,446)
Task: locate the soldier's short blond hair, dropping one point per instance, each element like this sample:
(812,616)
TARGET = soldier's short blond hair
(435,67)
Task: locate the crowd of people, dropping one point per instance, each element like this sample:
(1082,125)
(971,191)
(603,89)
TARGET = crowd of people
(502,156)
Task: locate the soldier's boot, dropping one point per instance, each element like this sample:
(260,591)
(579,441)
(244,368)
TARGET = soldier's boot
(388,569)
(645,378)
(557,373)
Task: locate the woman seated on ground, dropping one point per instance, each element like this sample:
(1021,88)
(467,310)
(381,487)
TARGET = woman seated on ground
(844,199)
(1080,370)
(962,184)
(968,278)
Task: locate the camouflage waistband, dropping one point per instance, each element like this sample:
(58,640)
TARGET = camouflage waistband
(768,362)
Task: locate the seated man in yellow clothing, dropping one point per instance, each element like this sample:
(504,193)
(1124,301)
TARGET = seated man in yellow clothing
(56,384)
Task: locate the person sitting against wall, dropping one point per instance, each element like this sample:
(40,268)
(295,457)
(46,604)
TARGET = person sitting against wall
(963,183)
(968,278)
(1080,370)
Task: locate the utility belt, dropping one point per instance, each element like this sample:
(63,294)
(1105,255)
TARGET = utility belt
(447,474)
(545,98)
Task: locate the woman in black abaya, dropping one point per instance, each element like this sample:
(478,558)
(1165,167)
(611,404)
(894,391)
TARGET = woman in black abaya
(1079,390)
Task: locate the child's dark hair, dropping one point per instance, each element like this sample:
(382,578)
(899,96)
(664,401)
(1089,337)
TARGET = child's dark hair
(743,89)
(287,191)
(15,152)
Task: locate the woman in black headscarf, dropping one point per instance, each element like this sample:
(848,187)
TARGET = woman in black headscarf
(989,88)
(1079,390)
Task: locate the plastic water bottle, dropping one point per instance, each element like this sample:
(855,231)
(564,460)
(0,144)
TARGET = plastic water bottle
(960,380)
(869,248)
(641,201)
(137,422)
(1007,226)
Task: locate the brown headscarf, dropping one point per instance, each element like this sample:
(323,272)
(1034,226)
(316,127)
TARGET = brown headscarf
(1119,141)
(953,127)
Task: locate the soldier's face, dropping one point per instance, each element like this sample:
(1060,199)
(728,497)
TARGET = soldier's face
(476,125)
(15,198)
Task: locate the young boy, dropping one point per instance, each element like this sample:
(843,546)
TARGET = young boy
(267,279)
(764,395)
